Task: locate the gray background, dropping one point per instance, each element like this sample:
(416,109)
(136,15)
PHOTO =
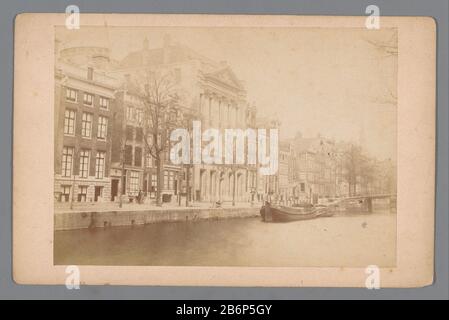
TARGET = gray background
(435,8)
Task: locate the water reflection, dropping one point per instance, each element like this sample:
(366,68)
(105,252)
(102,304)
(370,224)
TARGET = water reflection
(356,240)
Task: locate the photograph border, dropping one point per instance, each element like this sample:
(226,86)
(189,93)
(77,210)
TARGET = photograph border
(441,264)
(415,152)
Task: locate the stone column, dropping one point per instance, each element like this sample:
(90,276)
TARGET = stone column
(215,112)
(228,115)
(201,104)
(236,116)
(209,112)
(220,119)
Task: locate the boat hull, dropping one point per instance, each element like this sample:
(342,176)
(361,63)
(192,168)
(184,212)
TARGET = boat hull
(283,214)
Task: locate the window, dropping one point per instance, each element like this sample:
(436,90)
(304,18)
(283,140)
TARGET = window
(71,95)
(169,179)
(154,182)
(167,152)
(172,116)
(129,132)
(167,155)
(149,160)
(67,157)
(138,157)
(82,193)
(86,125)
(129,155)
(65,196)
(84,163)
(165,179)
(98,193)
(88,99)
(139,116)
(303,187)
(104,103)
(102,127)
(130,113)
(69,122)
(134,181)
(139,134)
(99,164)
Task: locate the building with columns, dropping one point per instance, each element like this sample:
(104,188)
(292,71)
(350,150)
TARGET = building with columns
(268,186)
(212,93)
(222,105)
(100,127)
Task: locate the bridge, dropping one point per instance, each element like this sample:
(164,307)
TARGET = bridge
(367,200)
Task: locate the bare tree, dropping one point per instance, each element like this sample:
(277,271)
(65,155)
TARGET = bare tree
(164,109)
(124,139)
(186,118)
(120,134)
(358,167)
(351,166)
(159,100)
(367,173)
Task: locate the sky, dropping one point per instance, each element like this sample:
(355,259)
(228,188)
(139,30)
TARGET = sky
(335,82)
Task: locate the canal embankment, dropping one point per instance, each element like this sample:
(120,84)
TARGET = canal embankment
(72,219)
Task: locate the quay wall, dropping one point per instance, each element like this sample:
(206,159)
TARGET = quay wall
(83,220)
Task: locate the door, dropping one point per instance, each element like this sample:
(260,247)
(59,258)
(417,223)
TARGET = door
(315,198)
(98,192)
(114,189)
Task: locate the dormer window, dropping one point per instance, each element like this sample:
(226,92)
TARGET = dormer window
(130,113)
(88,99)
(71,95)
(104,103)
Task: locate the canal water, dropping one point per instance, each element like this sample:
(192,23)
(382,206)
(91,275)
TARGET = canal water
(351,240)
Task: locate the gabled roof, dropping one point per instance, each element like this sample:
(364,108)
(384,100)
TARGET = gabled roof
(225,75)
(177,53)
(158,56)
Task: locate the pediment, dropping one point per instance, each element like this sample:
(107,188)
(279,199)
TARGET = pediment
(227,77)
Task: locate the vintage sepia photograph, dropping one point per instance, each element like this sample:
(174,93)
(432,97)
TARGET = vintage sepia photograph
(225,146)
(224,150)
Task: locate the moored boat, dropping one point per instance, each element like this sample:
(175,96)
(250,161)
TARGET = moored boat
(271,213)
